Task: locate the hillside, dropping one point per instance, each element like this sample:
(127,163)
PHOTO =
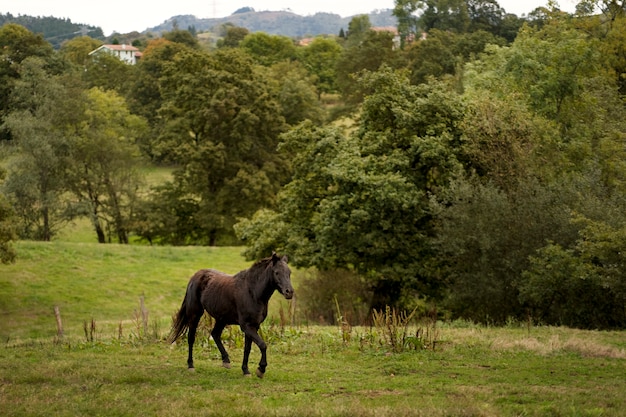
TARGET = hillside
(53,29)
(277,22)
(57,30)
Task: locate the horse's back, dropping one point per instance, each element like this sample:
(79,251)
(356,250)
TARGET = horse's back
(217,294)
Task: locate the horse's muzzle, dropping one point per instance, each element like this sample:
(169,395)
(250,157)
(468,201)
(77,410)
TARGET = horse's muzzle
(288,293)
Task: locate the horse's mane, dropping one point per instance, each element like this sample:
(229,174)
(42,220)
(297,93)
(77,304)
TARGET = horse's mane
(255,270)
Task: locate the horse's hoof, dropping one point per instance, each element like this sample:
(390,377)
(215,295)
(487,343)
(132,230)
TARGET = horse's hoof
(226,365)
(259,373)
(248,375)
(191,369)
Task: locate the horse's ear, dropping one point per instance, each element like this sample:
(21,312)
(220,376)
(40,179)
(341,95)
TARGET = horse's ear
(285,259)
(275,257)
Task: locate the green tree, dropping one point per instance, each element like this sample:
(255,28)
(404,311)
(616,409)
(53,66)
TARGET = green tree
(485,236)
(222,124)
(42,108)
(408,27)
(7,227)
(16,44)
(103,172)
(108,72)
(361,202)
(268,49)
(232,36)
(183,37)
(77,50)
(144,96)
(358,28)
(296,93)
(374,50)
(320,59)
(452,15)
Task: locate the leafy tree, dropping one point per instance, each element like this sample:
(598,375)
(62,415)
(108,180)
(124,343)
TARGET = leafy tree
(296,93)
(361,202)
(485,15)
(582,285)
(183,37)
(7,228)
(77,49)
(374,50)
(16,44)
(433,57)
(358,28)
(449,15)
(320,59)
(144,95)
(42,108)
(408,26)
(104,158)
(222,124)
(232,36)
(268,49)
(485,236)
(108,72)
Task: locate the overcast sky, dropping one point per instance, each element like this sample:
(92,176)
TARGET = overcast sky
(127,16)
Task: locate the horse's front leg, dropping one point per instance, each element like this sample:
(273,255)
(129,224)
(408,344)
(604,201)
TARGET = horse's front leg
(252,334)
(246,355)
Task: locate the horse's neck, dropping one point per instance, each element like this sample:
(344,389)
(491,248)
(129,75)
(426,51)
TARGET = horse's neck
(262,285)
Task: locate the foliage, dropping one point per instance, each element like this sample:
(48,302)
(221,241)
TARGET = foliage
(268,49)
(319,292)
(394,325)
(296,93)
(366,51)
(77,50)
(319,58)
(104,158)
(361,202)
(35,185)
(16,44)
(221,124)
(7,228)
(54,30)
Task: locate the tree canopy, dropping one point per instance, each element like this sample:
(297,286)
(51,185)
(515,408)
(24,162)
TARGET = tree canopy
(476,164)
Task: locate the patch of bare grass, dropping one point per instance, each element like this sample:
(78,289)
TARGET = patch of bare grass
(588,348)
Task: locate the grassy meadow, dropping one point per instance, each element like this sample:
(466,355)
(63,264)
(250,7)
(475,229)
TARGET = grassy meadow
(113,361)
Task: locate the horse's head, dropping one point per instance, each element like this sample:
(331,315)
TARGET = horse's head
(281,275)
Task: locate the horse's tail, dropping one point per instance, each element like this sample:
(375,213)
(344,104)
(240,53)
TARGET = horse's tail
(183,318)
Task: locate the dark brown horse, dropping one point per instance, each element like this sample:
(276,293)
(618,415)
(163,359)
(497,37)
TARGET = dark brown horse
(240,299)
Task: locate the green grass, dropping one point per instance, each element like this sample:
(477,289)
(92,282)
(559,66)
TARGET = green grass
(313,370)
(475,372)
(101,282)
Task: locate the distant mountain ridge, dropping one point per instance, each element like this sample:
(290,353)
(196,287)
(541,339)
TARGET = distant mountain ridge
(57,30)
(277,23)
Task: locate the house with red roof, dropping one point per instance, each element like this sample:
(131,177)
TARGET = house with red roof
(125,53)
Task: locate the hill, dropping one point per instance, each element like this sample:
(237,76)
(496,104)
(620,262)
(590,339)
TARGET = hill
(277,22)
(56,30)
(53,29)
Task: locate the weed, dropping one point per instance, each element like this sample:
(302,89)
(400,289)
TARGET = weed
(393,325)
(90,330)
(344,325)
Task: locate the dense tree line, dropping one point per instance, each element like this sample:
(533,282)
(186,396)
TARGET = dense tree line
(477,164)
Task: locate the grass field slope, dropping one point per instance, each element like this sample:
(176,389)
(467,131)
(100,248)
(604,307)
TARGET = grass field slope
(112,359)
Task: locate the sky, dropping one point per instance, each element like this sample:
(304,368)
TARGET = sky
(127,16)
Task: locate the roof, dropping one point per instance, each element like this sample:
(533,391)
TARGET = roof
(129,48)
(122,47)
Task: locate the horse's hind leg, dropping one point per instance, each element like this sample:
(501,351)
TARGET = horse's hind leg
(216,333)
(191,337)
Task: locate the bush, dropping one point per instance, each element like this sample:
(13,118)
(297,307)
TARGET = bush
(325,291)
